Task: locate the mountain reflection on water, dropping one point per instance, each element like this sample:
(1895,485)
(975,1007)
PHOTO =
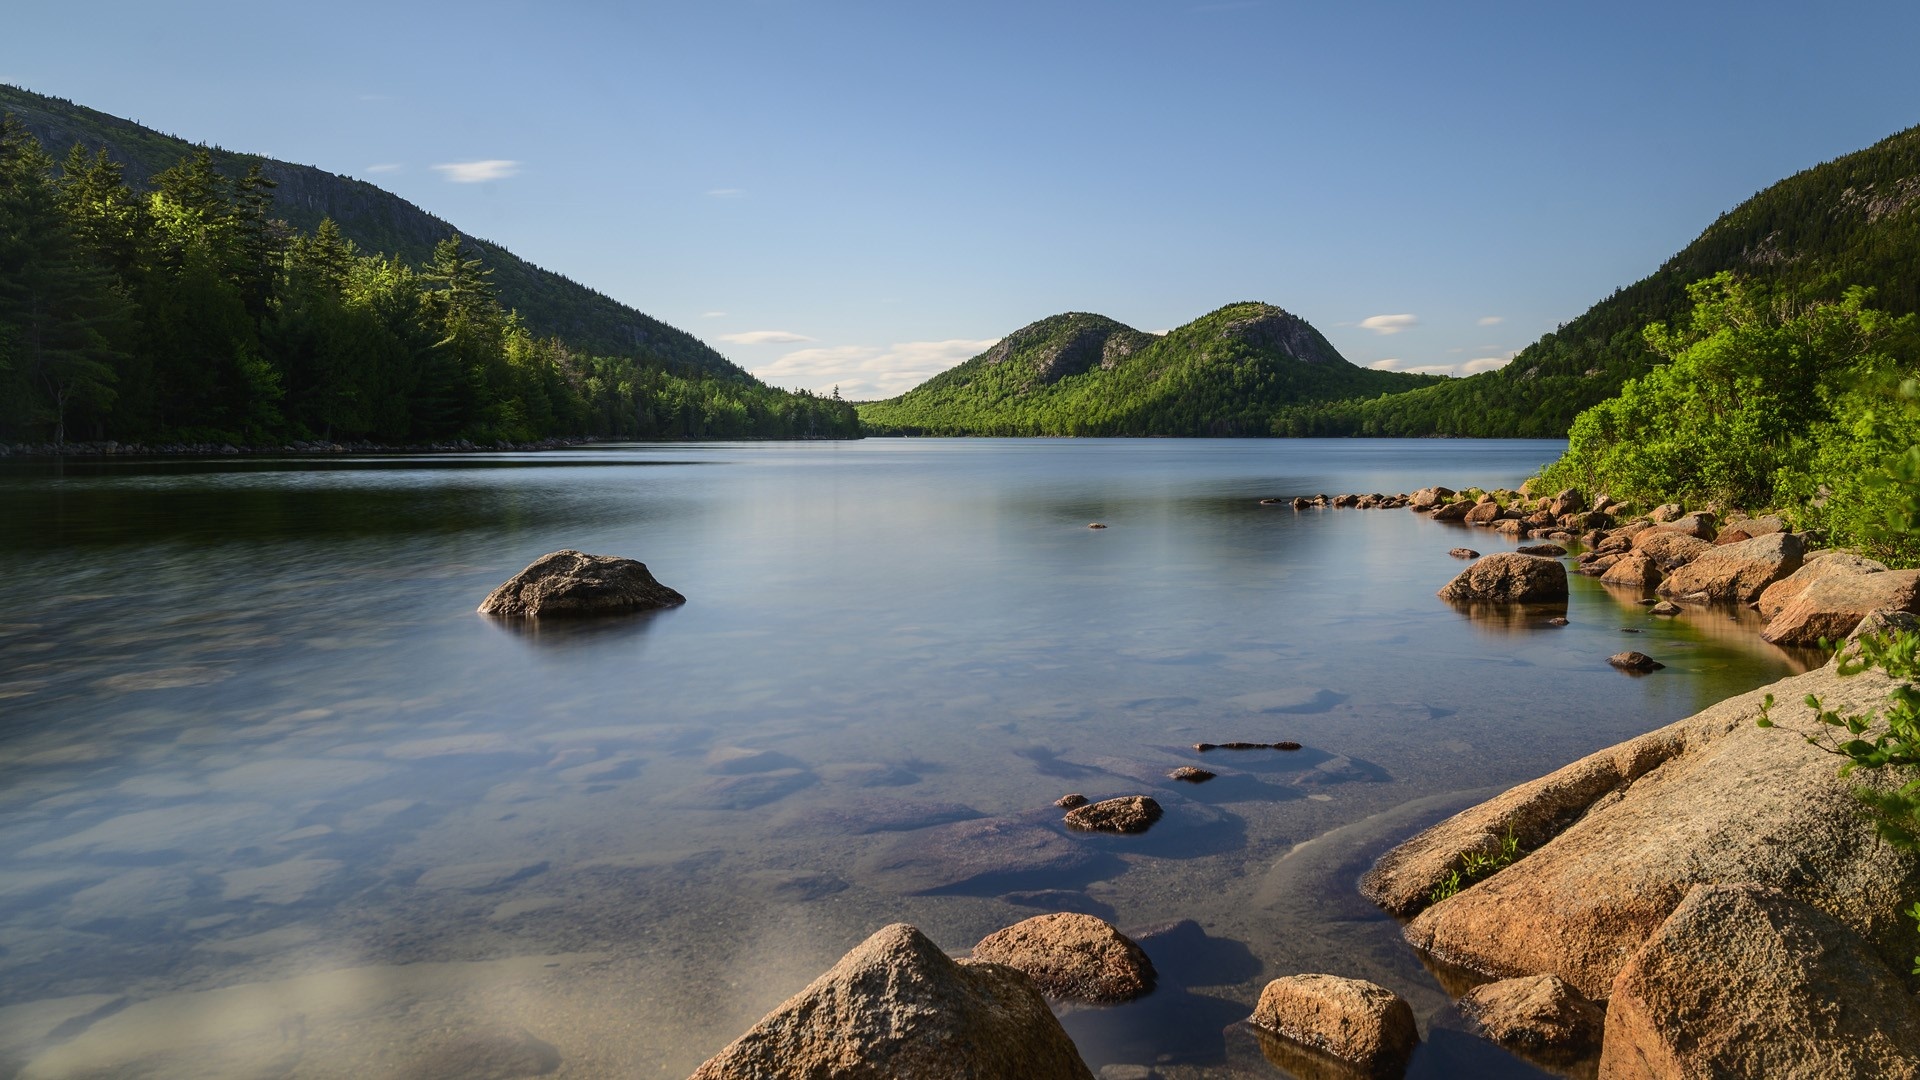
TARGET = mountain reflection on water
(275,801)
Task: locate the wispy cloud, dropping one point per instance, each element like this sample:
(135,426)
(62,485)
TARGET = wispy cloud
(726,193)
(1492,320)
(864,372)
(388,166)
(478,172)
(764,337)
(1464,367)
(1486,363)
(1389,324)
(713,314)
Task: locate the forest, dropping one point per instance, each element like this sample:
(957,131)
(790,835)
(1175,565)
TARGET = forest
(190,313)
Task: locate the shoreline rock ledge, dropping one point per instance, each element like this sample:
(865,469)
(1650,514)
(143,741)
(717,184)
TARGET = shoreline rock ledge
(1713,882)
(896,1006)
(572,583)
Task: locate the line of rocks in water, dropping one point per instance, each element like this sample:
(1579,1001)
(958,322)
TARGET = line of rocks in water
(322,447)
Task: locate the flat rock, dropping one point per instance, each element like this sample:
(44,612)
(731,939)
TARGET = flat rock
(1832,606)
(1509,577)
(749,790)
(1745,981)
(1736,573)
(1537,1015)
(1551,551)
(896,1006)
(1072,956)
(1126,814)
(289,882)
(1613,842)
(1778,595)
(1352,1020)
(481,876)
(573,583)
(973,853)
(1464,553)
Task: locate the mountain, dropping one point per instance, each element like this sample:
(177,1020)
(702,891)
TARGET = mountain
(1081,374)
(1851,221)
(379,221)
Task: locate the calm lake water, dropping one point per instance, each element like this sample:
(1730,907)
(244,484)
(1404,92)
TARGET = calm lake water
(275,801)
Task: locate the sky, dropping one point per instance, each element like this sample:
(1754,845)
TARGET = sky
(863,194)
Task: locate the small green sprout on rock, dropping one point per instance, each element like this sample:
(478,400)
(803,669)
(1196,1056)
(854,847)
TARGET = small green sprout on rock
(1478,866)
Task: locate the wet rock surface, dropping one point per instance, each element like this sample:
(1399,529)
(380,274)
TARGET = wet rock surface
(1126,814)
(572,583)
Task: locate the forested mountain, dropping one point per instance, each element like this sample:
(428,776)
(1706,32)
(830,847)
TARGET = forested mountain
(376,221)
(1080,374)
(190,311)
(1852,221)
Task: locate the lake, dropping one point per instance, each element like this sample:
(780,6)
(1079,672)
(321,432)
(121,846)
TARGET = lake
(274,800)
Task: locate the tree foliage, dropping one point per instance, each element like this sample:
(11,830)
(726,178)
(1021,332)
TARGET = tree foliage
(190,314)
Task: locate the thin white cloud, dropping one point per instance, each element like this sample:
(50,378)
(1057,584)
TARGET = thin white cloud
(389,166)
(725,193)
(1389,324)
(1485,363)
(713,314)
(864,372)
(1391,363)
(478,172)
(1465,367)
(1492,320)
(764,337)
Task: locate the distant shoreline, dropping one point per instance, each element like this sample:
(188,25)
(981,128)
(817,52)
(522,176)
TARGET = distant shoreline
(91,451)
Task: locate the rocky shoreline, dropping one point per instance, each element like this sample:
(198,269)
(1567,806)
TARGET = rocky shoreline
(1704,900)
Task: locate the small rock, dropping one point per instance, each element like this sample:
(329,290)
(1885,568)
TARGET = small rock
(1537,1014)
(568,583)
(1557,621)
(1464,553)
(1548,550)
(1191,774)
(1634,661)
(1095,525)
(1666,607)
(1077,957)
(1126,814)
(1367,1026)
(1074,800)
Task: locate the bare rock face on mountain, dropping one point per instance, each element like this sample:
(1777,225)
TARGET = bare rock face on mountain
(1736,573)
(1509,577)
(1367,1026)
(897,1008)
(1745,981)
(1832,606)
(1612,843)
(1077,957)
(572,583)
(1272,328)
(1069,345)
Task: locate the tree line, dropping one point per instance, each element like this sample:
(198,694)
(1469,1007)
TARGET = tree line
(189,314)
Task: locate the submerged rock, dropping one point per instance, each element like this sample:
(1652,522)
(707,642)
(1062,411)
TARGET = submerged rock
(1126,814)
(1077,957)
(1355,1021)
(998,852)
(1745,981)
(1191,774)
(1634,661)
(1464,553)
(897,1006)
(568,583)
(1509,577)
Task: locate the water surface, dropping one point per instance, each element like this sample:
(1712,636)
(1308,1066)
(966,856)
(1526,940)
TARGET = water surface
(275,801)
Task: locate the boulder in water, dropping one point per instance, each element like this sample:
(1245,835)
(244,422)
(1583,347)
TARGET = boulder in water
(572,583)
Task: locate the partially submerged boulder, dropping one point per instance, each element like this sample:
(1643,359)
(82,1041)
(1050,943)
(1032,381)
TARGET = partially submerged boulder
(1509,577)
(1636,570)
(1614,841)
(573,583)
(1365,1025)
(1745,981)
(1671,550)
(1538,1015)
(1736,573)
(1832,606)
(1635,661)
(896,1006)
(1077,957)
(1126,814)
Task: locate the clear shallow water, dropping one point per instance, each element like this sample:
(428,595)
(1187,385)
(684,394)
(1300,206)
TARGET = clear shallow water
(275,801)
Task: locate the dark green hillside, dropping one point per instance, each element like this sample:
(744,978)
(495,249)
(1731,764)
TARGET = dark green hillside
(1852,221)
(1081,374)
(377,220)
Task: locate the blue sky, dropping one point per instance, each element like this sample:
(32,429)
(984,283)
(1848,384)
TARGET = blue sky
(862,194)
